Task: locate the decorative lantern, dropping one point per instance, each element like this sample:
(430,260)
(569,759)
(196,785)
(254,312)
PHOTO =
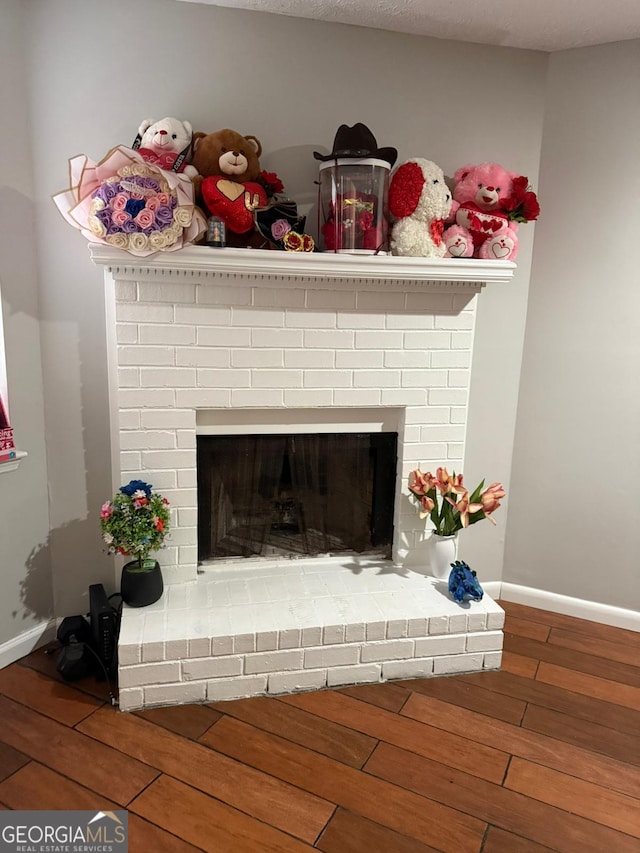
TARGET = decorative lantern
(353,195)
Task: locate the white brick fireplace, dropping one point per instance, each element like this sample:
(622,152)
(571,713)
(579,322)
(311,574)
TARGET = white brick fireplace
(209,340)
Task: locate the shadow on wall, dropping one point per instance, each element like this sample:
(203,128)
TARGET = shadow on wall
(17,263)
(67,539)
(298,171)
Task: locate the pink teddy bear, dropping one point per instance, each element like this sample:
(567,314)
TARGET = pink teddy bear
(482,229)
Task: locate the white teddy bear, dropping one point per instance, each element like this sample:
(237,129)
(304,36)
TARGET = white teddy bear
(166,144)
(419,201)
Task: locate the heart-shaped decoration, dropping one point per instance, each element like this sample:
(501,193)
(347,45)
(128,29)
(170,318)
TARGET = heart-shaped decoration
(233,202)
(230,189)
(457,250)
(500,251)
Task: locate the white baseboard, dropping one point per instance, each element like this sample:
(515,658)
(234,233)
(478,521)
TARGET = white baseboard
(619,617)
(26,642)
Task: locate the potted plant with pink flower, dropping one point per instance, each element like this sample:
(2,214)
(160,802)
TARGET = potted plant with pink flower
(134,523)
(445,499)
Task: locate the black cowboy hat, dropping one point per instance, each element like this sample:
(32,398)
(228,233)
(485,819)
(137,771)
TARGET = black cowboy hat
(357,142)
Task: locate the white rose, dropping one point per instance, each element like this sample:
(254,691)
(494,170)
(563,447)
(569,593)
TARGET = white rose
(183,216)
(96,227)
(157,240)
(118,240)
(138,242)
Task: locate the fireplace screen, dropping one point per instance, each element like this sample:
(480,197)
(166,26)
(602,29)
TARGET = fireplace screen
(295,495)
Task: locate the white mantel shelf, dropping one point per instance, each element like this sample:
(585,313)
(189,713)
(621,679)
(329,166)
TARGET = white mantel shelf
(201,262)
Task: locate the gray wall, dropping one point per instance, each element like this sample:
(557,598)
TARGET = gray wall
(573,524)
(291,82)
(25,568)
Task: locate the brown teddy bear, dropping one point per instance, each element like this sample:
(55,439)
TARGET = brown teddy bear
(226,186)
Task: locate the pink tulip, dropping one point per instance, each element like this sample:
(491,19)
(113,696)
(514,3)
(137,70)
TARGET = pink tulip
(418,483)
(489,498)
(427,505)
(447,483)
(496,490)
(464,507)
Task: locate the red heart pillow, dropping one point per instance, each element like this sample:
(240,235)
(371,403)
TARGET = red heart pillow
(233,202)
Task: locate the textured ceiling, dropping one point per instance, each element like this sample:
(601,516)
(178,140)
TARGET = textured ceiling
(537,24)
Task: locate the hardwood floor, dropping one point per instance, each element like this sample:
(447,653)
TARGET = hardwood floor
(544,755)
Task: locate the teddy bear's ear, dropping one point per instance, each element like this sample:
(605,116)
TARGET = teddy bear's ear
(255,143)
(146,124)
(187,127)
(195,139)
(461,174)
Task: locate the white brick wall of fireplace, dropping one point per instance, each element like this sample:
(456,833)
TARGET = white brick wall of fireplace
(194,346)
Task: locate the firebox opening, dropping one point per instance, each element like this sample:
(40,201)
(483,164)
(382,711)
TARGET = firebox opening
(295,495)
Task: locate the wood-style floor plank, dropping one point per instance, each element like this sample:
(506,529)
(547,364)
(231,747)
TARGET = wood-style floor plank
(575,795)
(519,742)
(40,693)
(246,789)
(44,660)
(596,630)
(559,699)
(519,665)
(574,660)
(389,696)
(146,837)
(526,628)
(208,824)
(484,761)
(189,721)
(389,805)
(347,832)
(37,787)
(469,696)
(593,646)
(339,742)
(499,841)
(588,735)
(540,822)
(11,760)
(590,685)
(71,753)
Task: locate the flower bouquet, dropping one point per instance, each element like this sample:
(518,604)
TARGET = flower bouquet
(130,204)
(134,523)
(522,205)
(447,502)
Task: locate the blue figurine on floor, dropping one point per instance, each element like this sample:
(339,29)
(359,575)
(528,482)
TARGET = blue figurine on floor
(463,583)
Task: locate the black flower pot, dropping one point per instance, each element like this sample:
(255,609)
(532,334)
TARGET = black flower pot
(139,587)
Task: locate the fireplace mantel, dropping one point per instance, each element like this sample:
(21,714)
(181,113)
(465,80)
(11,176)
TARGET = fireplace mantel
(320,269)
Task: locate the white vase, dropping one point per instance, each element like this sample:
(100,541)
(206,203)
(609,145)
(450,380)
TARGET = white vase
(442,552)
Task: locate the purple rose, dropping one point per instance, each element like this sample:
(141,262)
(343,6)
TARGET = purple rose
(109,190)
(129,227)
(279,228)
(113,229)
(164,215)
